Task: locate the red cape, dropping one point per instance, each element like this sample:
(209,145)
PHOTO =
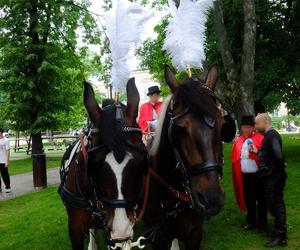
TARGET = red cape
(146,114)
(236,166)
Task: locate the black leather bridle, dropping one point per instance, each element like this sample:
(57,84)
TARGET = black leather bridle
(106,201)
(102,201)
(198,169)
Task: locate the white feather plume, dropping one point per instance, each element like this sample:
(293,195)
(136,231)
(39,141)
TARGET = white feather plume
(124,24)
(186,33)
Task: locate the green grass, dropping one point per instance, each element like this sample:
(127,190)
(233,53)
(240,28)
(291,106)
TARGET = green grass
(25,165)
(36,221)
(39,221)
(225,232)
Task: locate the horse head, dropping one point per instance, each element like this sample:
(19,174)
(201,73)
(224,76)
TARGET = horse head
(196,134)
(116,158)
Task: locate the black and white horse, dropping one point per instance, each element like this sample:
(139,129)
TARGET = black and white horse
(102,185)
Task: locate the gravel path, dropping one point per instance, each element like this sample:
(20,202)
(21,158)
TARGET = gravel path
(23,183)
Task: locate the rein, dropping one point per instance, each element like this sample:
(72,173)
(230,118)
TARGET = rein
(177,194)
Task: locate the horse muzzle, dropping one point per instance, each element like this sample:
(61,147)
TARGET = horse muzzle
(208,205)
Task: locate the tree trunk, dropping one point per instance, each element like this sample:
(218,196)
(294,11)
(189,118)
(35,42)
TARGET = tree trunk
(37,143)
(38,162)
(177,3)
(38,156)
(248,58)
(223,45)
(243,81)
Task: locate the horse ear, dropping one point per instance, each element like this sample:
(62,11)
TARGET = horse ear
(133,99)
(171,79)
(212,77)
(91,104)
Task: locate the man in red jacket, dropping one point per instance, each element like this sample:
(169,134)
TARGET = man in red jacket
(247,187)
(150,111)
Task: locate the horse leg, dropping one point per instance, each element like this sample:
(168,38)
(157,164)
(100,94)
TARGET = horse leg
(92,240)
(193,242)
(78,228)
(161,244)
(77,236)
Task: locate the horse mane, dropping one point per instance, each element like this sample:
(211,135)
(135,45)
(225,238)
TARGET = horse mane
(111,133)
(159,128)
(198,99)
(191,95)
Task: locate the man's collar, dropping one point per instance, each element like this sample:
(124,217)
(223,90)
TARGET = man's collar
(269,129)
(152,103)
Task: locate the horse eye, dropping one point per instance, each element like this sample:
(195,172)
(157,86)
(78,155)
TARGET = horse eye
(210,121)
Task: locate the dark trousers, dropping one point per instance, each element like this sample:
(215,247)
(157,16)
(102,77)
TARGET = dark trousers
(255,200)
(274,186)
(4,175)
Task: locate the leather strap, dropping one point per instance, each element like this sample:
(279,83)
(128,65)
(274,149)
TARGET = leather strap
(74,200)
(178,195)
(204,167)
(116,203)
(146,197)
(83,149)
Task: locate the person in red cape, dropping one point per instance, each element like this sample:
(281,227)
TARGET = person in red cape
(150,111)
(247,187)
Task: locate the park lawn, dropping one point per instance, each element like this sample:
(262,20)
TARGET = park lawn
(25,165)
(224,231)
(39,220)
(36,221)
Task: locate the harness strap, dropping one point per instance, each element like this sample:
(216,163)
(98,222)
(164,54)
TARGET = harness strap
(146,197)
(115,203)
(207,166)
(83,149)
(74,200)
(177,194)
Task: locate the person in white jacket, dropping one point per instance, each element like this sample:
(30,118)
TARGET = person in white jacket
(4,161)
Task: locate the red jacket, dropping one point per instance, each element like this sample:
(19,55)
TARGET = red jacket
(146,114)
(236,166)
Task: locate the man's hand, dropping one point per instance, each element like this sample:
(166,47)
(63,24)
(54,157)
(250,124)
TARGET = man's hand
(6,165)
(253,149)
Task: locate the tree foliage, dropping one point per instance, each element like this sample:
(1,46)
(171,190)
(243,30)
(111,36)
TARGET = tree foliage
(41,71)
(276,67)
(277,58)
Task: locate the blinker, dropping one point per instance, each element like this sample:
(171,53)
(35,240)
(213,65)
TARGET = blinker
(119,113)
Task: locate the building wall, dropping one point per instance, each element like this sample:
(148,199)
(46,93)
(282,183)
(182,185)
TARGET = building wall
(143,81)
(280,111)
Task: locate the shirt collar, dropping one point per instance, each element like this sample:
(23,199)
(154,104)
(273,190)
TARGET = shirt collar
(269,129)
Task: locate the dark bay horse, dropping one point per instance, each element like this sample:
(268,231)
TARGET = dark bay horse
(102,185)
(186,161)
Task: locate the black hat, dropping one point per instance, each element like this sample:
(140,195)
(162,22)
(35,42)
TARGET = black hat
(248,120)
(153,89)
